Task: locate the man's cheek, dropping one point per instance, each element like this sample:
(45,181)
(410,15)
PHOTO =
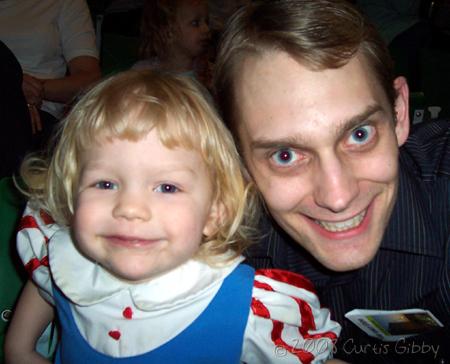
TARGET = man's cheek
(280,196)
(382,169)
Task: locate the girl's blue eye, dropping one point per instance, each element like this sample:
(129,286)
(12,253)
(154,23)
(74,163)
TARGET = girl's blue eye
(361,135)
(166,188)
(106,185)
(284,157)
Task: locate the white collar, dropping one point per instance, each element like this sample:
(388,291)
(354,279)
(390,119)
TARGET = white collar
(86,283)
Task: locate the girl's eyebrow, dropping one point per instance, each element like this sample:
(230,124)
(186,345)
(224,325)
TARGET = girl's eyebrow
(298,141)
(99,166)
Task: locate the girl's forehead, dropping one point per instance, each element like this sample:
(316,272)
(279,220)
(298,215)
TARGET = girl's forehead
(171,141)
(195,2)
(192,5)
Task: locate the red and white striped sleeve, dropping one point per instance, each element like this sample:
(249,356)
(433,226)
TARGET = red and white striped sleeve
(36,228)
(286,323)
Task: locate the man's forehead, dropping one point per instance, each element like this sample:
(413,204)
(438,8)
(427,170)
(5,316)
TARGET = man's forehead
(252,69)
(278,97)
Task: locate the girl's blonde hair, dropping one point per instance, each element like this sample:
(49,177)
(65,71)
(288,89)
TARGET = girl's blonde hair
(128,106)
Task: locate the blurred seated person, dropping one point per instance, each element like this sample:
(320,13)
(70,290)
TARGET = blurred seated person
(14,116)
(54,42)
(175,37)
(405,31)
(220,11)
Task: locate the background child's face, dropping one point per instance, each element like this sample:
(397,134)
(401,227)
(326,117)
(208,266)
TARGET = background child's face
(142,208)
(192,18)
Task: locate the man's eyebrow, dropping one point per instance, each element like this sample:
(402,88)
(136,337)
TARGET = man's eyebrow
(289,142)
(357,120)
(297,141)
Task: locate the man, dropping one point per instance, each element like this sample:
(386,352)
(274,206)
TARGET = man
(307,88)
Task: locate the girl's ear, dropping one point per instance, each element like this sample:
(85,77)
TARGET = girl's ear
(401,110)
(216,217)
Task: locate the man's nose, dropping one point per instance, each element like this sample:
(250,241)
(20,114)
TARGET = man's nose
(335,185)
(132,205)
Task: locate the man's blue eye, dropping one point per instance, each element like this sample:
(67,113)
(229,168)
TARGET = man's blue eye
(284,157)
(166,188)
(361,135)
(106,185)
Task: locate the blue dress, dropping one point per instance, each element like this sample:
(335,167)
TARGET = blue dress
(195,313)
(216,336)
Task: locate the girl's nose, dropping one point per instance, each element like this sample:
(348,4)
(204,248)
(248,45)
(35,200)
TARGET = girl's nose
(132,206)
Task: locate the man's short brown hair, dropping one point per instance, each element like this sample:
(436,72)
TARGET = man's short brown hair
(320,34)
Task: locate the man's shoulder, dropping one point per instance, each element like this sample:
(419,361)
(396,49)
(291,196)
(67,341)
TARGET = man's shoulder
(426,153)
(423,193)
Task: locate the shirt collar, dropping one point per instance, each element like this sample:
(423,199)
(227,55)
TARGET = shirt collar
(86,283)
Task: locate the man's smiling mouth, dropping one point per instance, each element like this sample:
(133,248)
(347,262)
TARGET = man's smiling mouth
(339,226)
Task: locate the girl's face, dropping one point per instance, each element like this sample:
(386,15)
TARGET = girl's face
(192,18)
(141,207)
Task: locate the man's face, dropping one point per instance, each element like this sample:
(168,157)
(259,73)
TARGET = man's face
(322,148)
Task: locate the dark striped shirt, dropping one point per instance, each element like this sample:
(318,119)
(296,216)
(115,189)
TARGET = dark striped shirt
(411,268)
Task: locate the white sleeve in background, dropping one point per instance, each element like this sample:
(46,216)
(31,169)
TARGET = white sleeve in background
(76,30)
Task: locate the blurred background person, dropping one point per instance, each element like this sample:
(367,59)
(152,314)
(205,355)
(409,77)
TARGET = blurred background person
(406,31)
(14,116)
(220,11)
(54,42)
(175,37)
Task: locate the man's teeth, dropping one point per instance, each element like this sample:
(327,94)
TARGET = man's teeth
(342,225)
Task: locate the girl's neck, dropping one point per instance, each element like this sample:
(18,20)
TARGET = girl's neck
(176,62)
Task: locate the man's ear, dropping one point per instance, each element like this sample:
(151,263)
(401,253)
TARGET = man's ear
(401,110)
(216,217)
(247,176)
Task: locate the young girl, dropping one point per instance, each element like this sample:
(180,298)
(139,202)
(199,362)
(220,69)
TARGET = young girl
(175,37)
(142,254)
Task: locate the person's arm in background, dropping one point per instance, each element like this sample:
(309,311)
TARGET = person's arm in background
(83,72)
(31,316)
(33,90)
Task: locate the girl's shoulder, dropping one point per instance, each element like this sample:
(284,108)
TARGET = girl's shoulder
(36,228)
